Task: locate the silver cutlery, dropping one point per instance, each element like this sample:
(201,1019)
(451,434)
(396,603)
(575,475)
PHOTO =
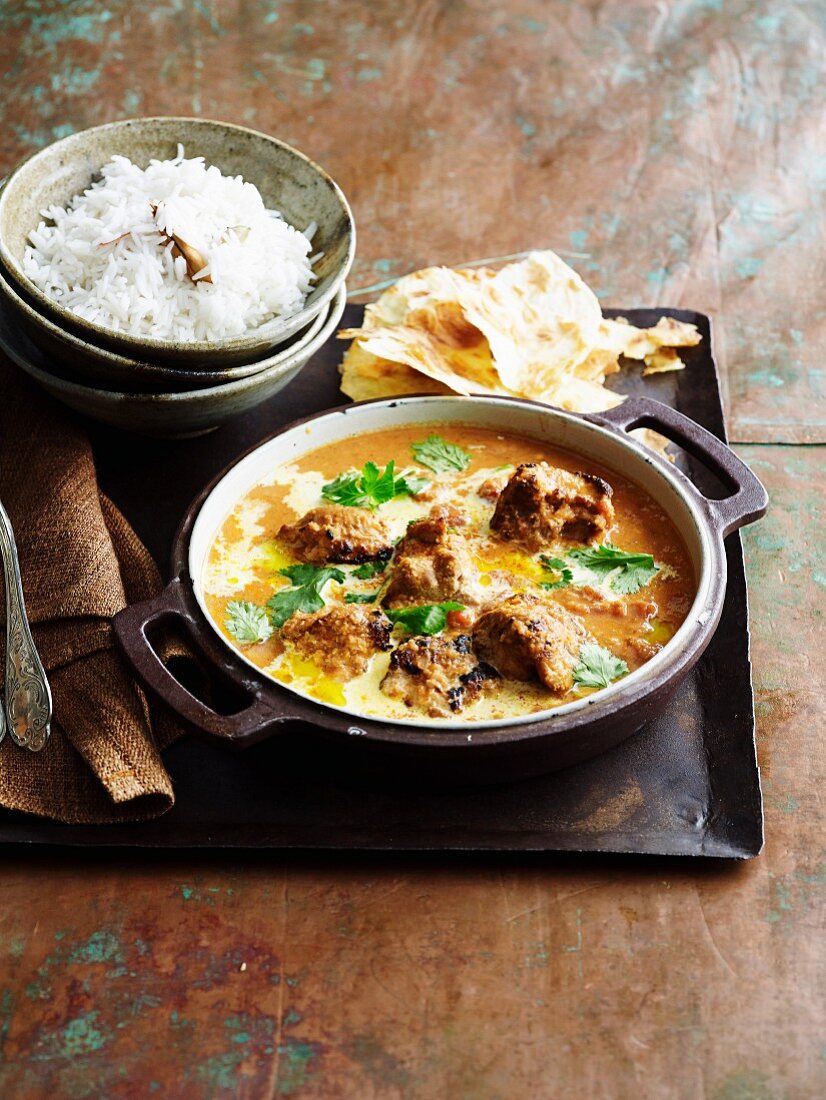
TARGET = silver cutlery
(28,698)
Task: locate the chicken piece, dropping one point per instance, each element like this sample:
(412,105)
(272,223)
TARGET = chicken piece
(493,486)
(339,534)
(542,505)
(437,675)
(433,563)
(340,639)
(525,637)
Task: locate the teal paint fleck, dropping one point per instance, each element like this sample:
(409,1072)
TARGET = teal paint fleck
(366,75)
(796,335)
(627,74)
(142,947)
(187,892)
(768,23)
(80,1036)
(206,14)
(766,377)
(100,947)
(819,578)
(527,128)
(748,267)
(708,5)
(316,68)
(271,17)
(75,81)
(532,25)
(384,265)
(579,239)
(295,1068)
(6,1007)
(744,1085)
(58,26)
(291,1018)
(17,946)
(132,102)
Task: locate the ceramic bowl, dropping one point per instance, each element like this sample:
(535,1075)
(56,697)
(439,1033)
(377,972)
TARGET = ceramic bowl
(76,360)
(288,181)
(171,415)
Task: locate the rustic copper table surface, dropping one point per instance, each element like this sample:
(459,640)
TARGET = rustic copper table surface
(673,151)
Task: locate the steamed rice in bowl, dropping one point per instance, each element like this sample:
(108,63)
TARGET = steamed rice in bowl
(176,251)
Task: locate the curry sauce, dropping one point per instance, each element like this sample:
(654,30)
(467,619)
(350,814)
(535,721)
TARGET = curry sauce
(517,593)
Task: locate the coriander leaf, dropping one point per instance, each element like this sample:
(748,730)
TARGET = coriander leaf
(630,570)
(370,569)
(556,565)
(308,580)
(247,622)
(598,666)
(301,575)
(361,597)
(439,455)
(429,618)
(371,487)
(410,485)
(345,489)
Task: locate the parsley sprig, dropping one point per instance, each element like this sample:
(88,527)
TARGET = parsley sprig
(370,569)
(559,573)
(598,667)
(429,618)
(304,593)
(247,622)
(371,487)
(440,456)
(628,572)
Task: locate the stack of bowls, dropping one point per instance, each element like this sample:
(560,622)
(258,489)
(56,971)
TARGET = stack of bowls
(143,383)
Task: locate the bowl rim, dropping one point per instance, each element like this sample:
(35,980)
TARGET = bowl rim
(269,329)
(193,397)
(676,654)
(124,362)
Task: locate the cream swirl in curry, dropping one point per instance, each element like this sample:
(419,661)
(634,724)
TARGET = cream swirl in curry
(447,572)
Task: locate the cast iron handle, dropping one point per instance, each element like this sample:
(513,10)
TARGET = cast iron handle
(132,627)
(749,499)
(28,698)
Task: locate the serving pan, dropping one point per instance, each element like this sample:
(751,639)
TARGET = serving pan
(454,752)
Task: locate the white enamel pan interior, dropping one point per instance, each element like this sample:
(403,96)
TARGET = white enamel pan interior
(592,442)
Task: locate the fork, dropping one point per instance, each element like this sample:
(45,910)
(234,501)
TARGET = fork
(28,698)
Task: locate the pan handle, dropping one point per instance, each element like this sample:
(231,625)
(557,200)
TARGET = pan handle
(749,500)
(134,627)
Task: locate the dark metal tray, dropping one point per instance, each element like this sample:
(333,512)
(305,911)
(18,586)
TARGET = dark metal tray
(687,784)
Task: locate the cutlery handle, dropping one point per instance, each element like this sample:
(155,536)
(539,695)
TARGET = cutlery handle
(28,698)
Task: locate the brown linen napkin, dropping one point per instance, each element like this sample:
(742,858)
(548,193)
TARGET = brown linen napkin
(81,562)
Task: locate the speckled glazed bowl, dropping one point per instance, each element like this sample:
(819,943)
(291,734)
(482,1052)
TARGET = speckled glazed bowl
(76,360)
(288,181)
(175,415)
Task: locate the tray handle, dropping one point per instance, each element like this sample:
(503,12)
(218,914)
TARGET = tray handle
(133,627)
(749,499)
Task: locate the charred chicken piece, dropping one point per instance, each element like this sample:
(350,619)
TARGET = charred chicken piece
(433,563)
(525,637)
(339,534)
(542,505)
(437,675)
(340,640)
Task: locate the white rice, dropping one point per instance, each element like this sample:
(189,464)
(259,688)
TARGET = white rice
(260,267)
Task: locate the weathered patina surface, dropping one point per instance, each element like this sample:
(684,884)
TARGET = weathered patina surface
(671,152)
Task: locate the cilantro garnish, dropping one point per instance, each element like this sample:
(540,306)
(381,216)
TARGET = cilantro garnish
(598,666)
(370,569)
(371,487)
(247,622)
(564,575)
(361,597)
(429,618)
(439,455)
(305,593)
(628,571)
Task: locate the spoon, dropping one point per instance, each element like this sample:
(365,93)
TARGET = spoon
(28,698)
